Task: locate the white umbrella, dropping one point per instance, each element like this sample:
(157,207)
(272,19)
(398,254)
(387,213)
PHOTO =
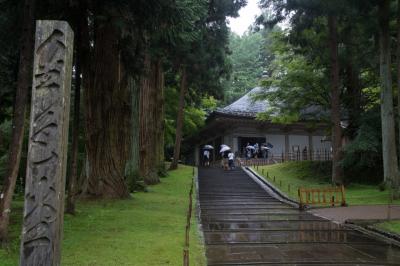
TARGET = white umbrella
(208,147)
(250,147)
(224,148)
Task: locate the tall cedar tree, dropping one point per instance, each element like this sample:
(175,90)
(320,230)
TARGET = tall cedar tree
(20,105)
(179,119)
(81,51)
(107,112)
(390,164)
(335,101)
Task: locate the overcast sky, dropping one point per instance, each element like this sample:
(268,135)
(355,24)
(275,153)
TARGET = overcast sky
(246,17)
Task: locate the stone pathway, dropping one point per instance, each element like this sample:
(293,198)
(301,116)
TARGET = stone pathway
(244,225)
(370,212)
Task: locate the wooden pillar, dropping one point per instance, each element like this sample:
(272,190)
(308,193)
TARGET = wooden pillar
(48,143)
(197,156)
(286,146)
(310,146)
(214,150)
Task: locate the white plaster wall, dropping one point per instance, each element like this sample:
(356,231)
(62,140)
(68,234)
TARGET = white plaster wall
(300,140)
(318,145)
(279,143)
(235,144)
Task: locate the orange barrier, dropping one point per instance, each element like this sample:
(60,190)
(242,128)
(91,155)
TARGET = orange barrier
(322,196)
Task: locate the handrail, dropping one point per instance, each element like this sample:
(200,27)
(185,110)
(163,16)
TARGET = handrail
(322,196)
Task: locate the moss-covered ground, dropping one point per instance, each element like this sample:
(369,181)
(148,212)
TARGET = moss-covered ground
(309,174)
(390,226)
(148,229)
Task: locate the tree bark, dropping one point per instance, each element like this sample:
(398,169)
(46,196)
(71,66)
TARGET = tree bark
(107,118)
(389,153)
(133,164)
(80,29)
(148,126)
(160,115)
(23,86)
(398,70)
(179,120)
(337,171)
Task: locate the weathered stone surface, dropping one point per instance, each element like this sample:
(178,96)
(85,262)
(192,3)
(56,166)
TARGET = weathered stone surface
(48,141)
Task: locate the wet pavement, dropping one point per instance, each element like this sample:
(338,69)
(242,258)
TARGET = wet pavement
(244,225)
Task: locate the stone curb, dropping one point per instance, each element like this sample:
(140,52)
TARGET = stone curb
(275,191)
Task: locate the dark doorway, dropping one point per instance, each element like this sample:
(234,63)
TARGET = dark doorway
(243,141)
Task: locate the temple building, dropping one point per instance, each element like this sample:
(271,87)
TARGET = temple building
(236,126)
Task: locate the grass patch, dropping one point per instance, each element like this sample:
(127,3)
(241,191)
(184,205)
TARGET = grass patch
(146,230)
(390,226)
(315,175)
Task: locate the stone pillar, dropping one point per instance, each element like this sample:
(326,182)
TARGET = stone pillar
(48,143)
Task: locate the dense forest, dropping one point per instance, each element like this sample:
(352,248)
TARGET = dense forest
(146,73)
(143,73)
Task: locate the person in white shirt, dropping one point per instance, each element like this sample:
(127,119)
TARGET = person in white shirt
(231,159)
(206,157)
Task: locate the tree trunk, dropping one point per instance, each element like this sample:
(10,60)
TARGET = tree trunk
(160,115)
(23,86)
(179,120)
(107,118)
(390,167)
(148,129)
(335,102)
(80,29)
(132,171)
(398,70)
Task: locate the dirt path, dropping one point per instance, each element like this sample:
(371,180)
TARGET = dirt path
(244,225)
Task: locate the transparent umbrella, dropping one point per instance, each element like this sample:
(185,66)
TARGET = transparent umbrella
(224,148)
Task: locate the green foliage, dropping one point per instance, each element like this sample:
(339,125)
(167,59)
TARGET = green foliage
(363,156)
(5,135)
(194,114)
(247,63)
(145,230)
(296,88)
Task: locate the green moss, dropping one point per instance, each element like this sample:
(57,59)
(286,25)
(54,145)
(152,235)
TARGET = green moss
(146,230)
(315,175)
(391,226)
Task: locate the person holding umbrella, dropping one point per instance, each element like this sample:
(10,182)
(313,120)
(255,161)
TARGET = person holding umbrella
(206,154)
(224,150)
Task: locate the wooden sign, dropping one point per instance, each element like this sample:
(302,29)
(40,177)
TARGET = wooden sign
(48,143)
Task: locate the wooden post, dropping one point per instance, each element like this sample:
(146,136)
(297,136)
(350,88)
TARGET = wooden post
(48,142)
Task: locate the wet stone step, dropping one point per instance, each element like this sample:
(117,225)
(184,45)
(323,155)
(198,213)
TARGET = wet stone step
(292,236)
(301,253)
(273,225)
(251,211)
(209,208)
(243,225)
(258,217)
